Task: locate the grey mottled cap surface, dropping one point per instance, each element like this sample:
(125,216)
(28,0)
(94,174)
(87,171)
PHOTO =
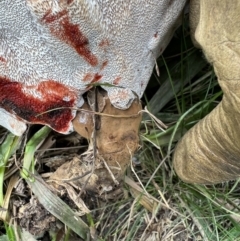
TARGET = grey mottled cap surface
(52,51)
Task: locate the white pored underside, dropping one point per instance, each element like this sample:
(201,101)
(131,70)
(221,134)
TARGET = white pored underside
(52,51)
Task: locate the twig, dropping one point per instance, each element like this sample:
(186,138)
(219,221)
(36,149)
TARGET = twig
(92,112)
(76,178)
(94,134)
(109,170)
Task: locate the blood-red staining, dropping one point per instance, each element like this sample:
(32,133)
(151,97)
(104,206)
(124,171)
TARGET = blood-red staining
(50,18)
(104,64)
(96,78)
(2,59)
(120,95)
(88,77)
(92,78)
(116,81)
(104,43)
(69,1)
(62,28)
(17,98)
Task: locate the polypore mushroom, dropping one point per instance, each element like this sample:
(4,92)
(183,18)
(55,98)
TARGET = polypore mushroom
(51,52)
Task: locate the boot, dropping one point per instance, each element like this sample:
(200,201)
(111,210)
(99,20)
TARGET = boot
(210,152)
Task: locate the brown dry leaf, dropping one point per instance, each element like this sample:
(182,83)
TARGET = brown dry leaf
(77,200)
(76,172)
(144,198)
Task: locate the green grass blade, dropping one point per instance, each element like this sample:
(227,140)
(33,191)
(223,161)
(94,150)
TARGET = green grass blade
(33,143)
(8,147)
(58,208)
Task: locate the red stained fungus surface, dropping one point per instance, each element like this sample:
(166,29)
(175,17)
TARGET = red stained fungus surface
(92,78)
(116,81)
(29,108)
(88,77)
(2,59)
(104,64)
(62,28)
(104,43)
(96,78)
